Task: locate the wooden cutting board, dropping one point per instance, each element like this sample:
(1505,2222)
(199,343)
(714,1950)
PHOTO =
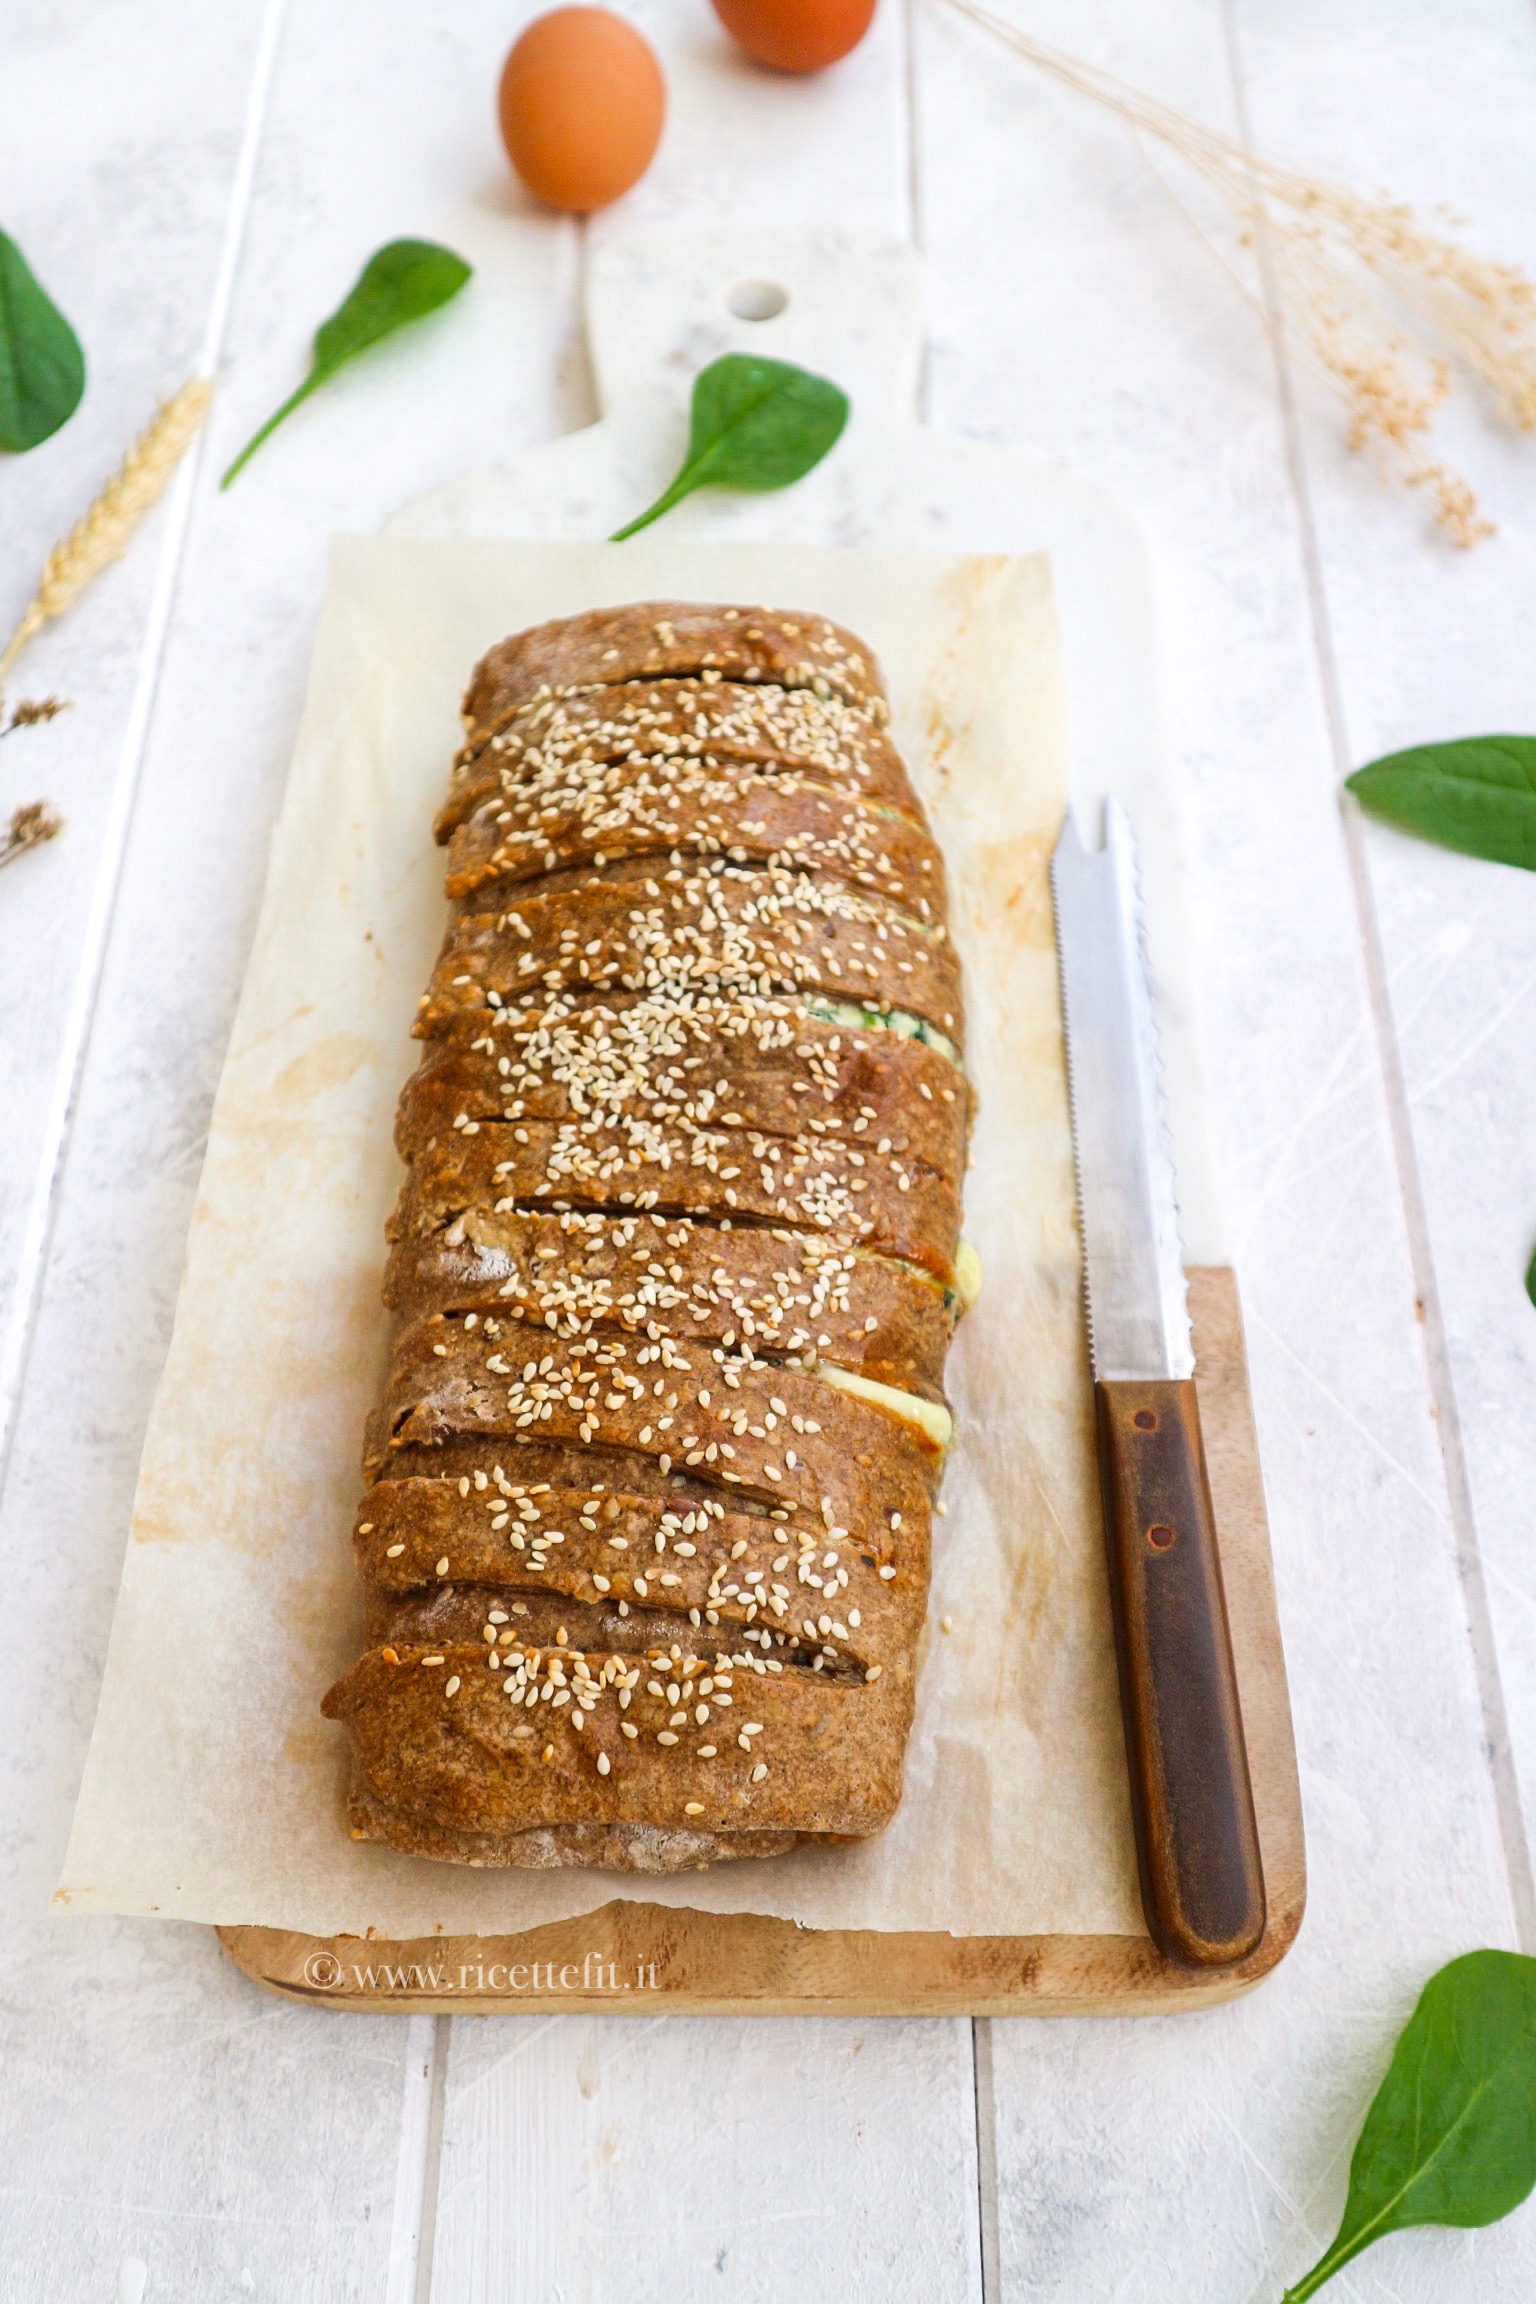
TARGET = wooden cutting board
(658,307)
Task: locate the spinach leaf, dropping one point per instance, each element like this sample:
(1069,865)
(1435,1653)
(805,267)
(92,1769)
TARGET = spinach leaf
(42,368)
(401,282)
(1451,2136)
(1477,794)
(755,424)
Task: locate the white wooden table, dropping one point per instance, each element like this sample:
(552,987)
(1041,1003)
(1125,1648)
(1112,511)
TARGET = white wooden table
(198,183)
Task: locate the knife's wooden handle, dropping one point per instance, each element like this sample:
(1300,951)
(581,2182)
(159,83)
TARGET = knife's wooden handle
(1202,1880)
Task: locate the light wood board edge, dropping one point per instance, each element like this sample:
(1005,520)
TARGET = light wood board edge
(630,1958)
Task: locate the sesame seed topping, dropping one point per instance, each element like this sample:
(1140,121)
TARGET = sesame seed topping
(667,1165)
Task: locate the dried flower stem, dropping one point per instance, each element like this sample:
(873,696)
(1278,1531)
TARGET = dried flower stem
(102,536)
(31,712)
(1324,247)
(28,828)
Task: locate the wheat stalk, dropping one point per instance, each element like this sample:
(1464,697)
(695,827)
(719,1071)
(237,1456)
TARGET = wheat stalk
(28,828)
(1326,250)
(102,536)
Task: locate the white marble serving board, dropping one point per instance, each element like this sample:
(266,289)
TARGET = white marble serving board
(659,306)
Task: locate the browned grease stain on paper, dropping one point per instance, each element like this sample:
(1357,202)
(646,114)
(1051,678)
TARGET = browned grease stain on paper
(1008,893)
(329,1064)
(949,685)
(309,1744)
(256,1483)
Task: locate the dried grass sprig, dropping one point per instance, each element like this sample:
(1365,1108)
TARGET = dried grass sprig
(102,536)
(28,828)
(32,712)
(1330,253)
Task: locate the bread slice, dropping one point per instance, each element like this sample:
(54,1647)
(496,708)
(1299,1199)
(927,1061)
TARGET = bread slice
(780,1292)
(646,1530)
(784,1066)
(671,639)
(893,1203)
(705,927)
(682,808)
(839,743)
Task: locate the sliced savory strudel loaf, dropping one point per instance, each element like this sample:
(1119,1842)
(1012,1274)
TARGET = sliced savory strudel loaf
(645,1538)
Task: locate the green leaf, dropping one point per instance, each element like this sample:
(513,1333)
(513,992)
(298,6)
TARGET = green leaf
(402,282)
(42,368)
(755,424)
(1530,1277)
(1477,795)
(1451,2136)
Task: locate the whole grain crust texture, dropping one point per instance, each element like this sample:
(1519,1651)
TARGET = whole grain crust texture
(645,1532)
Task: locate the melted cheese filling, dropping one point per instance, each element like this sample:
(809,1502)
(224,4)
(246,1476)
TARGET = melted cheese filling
(967,1275)
(927,1415)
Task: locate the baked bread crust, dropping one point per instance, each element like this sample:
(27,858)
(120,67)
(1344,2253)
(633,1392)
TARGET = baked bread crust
(784,1292)
(693,1062)
(655,808)
(840,743)
(711,928)
(670,639)
(645,1540)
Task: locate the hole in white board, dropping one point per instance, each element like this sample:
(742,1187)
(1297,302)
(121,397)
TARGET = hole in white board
(757,300)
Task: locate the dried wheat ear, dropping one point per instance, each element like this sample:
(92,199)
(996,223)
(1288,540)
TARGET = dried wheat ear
(1334,266)
(102,535)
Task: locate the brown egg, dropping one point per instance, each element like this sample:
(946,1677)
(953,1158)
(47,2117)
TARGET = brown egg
(796,35)
(582,103)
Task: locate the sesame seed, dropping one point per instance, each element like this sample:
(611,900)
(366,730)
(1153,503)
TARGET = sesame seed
(629,996)
(693,1807)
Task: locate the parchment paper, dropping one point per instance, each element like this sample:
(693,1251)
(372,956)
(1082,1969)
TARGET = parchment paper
(213,1789)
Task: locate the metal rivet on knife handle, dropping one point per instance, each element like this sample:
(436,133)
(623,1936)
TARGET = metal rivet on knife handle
(1197,1845)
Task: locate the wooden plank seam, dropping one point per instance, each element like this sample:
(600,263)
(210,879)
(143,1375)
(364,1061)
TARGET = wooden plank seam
(15,1349)
(1439,1377)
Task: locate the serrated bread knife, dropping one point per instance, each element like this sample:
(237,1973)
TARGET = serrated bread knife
(1197,1845)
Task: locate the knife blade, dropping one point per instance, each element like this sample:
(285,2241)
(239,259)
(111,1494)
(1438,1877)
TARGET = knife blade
(1197,1846)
